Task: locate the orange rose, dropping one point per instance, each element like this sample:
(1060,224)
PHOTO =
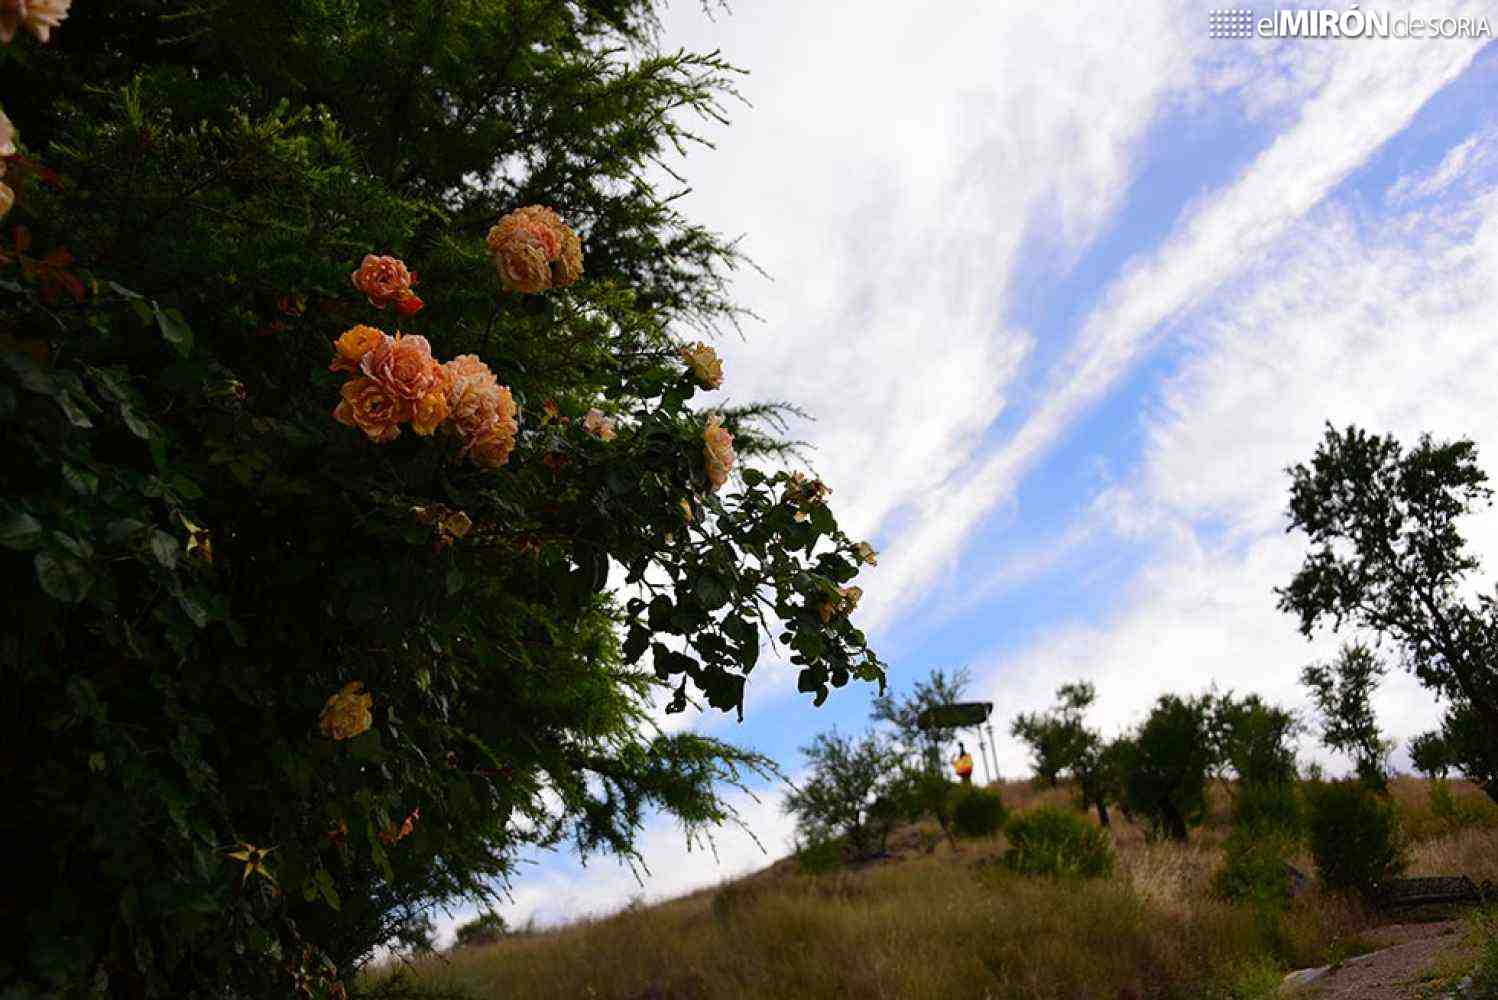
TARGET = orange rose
(404,365)
(368,406)
(717,451)
(409,304)
(847,600)
(351,348)
(347,713)
(480,411)
(383,280)
(7,199)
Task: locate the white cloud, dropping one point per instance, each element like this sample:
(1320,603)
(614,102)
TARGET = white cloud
(1386,324)
(1370,95)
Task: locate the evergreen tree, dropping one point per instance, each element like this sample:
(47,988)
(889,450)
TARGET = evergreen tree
(279,682)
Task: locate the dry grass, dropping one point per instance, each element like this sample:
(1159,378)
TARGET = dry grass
(952,924)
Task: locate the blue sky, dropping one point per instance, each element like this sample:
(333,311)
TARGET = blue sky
(1066,293)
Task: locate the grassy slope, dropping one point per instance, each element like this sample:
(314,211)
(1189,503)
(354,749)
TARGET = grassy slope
(937,926)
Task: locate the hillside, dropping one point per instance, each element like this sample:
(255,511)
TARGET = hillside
(951,924)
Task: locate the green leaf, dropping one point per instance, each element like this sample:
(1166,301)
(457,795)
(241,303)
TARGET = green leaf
(455,581)
(20,531)
(137,426)
(174,329)
(66,580)
(365,746)
(194,610)
(164,548)
(81,480)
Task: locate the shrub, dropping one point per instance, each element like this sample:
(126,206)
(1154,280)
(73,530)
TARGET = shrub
(486,928)
(1460,812)
(978,812)
(1355,836)
(1253,871)
(1484,928)
(1269,809)
(819,856)
(1052,841)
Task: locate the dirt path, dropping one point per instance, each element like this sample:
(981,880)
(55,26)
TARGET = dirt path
(1408,951)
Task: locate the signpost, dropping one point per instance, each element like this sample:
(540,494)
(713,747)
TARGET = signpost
(966,715)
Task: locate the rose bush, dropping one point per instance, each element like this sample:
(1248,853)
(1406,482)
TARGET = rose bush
(281,676)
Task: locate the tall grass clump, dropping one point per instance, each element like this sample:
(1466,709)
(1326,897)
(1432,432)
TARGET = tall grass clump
(1051,841)
(1354,836)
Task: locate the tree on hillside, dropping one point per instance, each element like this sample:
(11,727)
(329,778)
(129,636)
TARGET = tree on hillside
(1386,555)
(904,714)
(364,489)
(1255,739)
(1061,744)
(1343,694)
(1167,762)
(1430,754)
(851,793)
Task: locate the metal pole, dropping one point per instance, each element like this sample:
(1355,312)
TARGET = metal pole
(983,756)
(993,748)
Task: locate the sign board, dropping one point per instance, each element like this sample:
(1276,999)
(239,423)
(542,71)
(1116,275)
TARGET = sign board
(955,716)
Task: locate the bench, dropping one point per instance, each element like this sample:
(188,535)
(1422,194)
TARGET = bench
(1432,890)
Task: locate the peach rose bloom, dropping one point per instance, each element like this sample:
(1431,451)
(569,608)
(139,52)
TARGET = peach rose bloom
(569,263)
(598,425)
(492,449)
(44,15)
(533,250)
(12,14)
(383,280)
(428,412)
(717,451)
(351,348)
(707,369)
(404,366)
(7,139)
(368,406)
(7,199)
(347,713)
(480,411)
(864,552)
(847,600)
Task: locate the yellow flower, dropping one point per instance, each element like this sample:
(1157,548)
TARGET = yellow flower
(706,368)
(7,199)
(457,524)
(350,348)
(429,411)
(346,713)
(254,861)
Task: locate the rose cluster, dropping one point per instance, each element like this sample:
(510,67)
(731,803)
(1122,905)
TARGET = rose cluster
(396,380)
(7,148)
(533,250)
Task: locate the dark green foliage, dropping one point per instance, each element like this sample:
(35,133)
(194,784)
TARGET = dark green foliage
(1269,809)
(1254,870)
(1386,555)
(1167,763)
(486,928)
(197,556)
(1431,755)
(1354,836)
(1342,691)
(1051,841)
(819,856)
(1461,812)
(854,793)
(977,812)
(1256,740)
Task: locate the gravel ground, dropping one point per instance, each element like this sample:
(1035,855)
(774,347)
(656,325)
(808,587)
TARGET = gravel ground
(1392,973)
